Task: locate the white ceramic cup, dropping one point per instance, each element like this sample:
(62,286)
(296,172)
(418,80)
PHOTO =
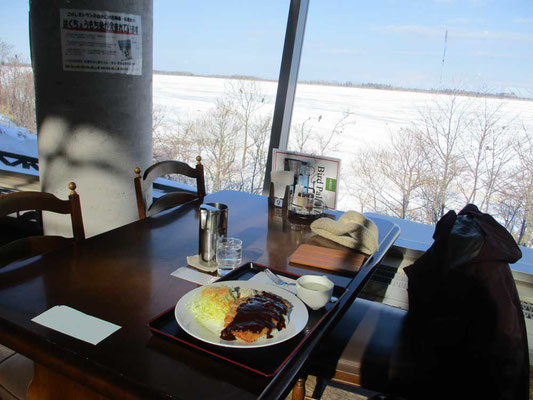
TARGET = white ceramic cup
(314,290)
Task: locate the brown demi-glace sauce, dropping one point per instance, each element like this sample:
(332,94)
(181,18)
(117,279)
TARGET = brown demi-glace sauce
(260,311)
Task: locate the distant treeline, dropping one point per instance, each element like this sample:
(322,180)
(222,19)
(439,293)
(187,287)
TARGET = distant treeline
(371,85)
(239,77)
(382,86)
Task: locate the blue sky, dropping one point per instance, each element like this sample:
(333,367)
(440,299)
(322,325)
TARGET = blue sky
(490,42)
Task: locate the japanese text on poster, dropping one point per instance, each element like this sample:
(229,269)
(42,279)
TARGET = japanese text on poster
(101,41)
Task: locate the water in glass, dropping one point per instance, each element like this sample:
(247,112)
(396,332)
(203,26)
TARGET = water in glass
(228,254)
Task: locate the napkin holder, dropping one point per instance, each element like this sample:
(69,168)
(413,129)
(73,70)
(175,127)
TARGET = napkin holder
(272,198)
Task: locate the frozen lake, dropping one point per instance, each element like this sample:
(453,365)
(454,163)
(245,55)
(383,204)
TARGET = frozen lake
(375,112)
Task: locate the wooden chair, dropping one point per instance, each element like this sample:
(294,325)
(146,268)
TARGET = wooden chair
(367,349)
(172,199)
(25,247)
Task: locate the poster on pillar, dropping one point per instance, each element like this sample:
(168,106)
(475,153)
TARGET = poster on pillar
(101,41)
(312,173)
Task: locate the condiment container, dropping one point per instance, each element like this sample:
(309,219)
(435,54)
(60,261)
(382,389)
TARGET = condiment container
(213,224)
(314,290)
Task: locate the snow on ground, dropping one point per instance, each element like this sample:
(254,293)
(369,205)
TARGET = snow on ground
(17,140)
(376,112)
(14,139)
(188,97)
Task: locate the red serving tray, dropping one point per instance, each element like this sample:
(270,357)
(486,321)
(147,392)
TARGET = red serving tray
(262,360)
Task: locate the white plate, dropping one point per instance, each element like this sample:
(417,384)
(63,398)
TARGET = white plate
(296,320)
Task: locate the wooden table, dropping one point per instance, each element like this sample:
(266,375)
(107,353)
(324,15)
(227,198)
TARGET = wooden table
(123,276)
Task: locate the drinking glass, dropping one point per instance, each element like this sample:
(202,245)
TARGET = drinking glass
(228,254)
(309,202)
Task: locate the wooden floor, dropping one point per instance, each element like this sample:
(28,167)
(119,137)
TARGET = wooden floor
(16,372)
(333,391)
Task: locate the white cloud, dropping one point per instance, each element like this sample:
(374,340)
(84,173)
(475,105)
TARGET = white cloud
(416,53)
(489,34)
(459,21)
(341,51)
(457,32)
(416,29)
(474,2)
(523,21)
(484,53)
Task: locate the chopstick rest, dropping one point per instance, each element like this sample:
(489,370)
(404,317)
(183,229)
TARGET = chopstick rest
(74,323)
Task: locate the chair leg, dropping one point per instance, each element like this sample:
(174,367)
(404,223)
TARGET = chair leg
(319,387)
(298,391)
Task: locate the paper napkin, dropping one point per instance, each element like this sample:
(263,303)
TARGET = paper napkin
(195,276)
(74,323)
(263,278)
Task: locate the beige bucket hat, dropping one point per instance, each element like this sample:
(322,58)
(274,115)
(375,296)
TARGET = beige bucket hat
(352,230)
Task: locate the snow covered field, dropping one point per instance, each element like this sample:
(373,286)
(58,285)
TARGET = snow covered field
(376,112)
(17,140)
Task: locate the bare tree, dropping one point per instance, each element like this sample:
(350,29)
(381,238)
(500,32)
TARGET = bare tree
(17,94)
(217,135)
(257,152)
(392,174)
(489,150)
(508,207)
(172,139)
(158,118)
(439,132)
(524,187)
(326,142)
(6,51)
(403,167)
(161,149)
(301,136)
(306,139)
(458,146)
(364,182)
(246,98)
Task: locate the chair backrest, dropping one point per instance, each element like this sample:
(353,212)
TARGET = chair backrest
(172,199)
(25,247)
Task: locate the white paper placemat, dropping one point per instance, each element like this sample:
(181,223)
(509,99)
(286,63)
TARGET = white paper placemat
(195,276)
(74,323)
(263,278)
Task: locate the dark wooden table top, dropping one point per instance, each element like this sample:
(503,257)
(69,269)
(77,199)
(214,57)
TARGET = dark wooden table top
(123,276)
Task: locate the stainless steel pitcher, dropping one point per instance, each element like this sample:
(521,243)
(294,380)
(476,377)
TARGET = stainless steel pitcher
(213,224)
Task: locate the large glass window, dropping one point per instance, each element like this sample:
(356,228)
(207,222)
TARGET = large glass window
(427,104)
(18,142)
(17,99)
(216,66)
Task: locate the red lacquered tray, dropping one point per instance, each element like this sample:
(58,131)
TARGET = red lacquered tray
(262,360)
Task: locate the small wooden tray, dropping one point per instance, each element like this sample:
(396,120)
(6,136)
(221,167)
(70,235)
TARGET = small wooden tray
(330,259)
